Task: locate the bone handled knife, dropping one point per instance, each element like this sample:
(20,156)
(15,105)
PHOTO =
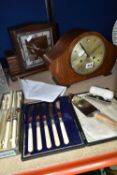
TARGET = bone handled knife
(55,133)
(2,123)
(47,133)
(54,129)
(17,97)
(8,122)
(30,129)
(16,114)
(14,125)
(62,125)
(30,135)
(38,131)
(63,129)
(14,128)
(5,145)
(4,120)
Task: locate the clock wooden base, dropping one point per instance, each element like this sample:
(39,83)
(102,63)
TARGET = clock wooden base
(15,70)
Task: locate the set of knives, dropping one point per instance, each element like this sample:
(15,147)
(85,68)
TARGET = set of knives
(9,120)
(45,123)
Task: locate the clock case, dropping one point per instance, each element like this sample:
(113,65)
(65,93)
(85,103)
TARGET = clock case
(17,57)
(59,56)
(74,128)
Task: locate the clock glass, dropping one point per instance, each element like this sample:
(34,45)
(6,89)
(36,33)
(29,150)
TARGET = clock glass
(87,54)
(33,45)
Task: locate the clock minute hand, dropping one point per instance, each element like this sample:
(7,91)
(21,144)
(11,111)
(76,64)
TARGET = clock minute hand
(84,50)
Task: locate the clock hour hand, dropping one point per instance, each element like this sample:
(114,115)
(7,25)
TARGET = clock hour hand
(84,50)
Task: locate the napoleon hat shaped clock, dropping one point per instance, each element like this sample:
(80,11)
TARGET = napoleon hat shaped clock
(79,55)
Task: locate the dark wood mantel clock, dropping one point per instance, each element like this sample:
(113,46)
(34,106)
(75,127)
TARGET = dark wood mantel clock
(30,43)
(79,55)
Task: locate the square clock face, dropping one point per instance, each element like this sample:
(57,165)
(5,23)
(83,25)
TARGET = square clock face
(31,42)
(33,45)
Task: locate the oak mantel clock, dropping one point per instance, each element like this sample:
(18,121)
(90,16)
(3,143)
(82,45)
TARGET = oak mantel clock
(79,55)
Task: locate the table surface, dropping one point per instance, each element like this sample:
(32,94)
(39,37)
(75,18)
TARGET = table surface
(72,161)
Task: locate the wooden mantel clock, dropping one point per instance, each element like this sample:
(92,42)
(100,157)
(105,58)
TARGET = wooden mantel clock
(79,55)
(30,42)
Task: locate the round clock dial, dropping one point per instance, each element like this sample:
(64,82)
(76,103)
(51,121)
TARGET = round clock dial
(87,54)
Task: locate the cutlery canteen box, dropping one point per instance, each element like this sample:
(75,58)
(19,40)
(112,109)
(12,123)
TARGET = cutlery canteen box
(98,119)
(49,128)
(60,126)
(10,115)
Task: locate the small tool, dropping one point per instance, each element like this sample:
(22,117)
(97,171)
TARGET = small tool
(62,125)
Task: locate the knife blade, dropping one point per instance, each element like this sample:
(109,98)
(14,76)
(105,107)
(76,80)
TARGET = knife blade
(90,110)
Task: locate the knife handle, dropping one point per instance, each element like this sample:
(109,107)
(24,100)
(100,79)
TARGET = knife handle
(55,134)
(39,140)
(6,138)
(106,119)
(64,132)
(14,130)
(47,136)
(30,139)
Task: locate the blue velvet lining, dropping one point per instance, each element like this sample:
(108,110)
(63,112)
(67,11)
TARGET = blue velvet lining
(69,120)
